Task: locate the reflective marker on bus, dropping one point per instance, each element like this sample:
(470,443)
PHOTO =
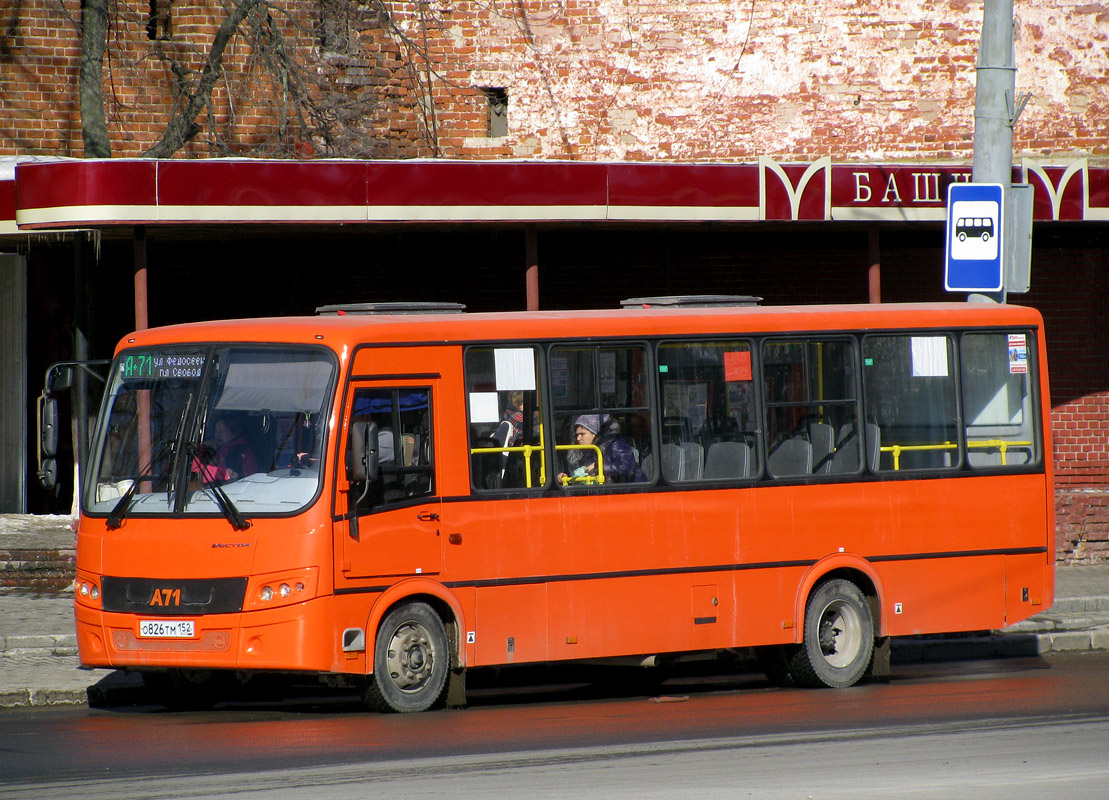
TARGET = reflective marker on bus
(391,500)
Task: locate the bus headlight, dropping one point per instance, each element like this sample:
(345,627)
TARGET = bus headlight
(88,591)
(271,591)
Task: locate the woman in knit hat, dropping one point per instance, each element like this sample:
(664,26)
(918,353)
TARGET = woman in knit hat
(616,454)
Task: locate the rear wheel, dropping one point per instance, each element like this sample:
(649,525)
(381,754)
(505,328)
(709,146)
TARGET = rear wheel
(839,637)
(411,661)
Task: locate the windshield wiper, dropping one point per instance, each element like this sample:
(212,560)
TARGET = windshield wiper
(202,456)
(116,515)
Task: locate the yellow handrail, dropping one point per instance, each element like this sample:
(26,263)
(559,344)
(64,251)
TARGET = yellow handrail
(527,450)
(1002,444)
(598,478)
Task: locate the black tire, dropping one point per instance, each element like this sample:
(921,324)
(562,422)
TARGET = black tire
(411,661)
(839,637)
(187,689)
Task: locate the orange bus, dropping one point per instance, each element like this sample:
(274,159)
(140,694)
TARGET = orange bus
(390,499)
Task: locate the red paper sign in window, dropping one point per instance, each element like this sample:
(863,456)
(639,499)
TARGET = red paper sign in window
(737,365)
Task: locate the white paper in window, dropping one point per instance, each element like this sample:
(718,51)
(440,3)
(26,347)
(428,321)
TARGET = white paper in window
(608,372)
(515,369)
(484,407)
(930,357)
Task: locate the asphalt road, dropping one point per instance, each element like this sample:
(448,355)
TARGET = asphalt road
(1012,728)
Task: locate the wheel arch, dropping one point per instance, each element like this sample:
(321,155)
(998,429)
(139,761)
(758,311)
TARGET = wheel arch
(846,567)
(420,590)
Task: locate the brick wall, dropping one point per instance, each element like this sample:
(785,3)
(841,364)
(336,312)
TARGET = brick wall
(598,80)
(275,59)
(1074,298)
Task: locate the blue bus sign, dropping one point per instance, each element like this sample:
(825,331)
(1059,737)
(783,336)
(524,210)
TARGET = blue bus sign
(974,253)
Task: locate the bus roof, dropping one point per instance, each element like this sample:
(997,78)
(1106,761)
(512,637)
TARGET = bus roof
(341,331)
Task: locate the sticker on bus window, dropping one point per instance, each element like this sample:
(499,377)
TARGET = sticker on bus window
(1018,354)
(930,357)
(737,365)
(484,407)
(515,369)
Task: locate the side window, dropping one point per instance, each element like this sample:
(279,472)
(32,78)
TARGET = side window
(909,384)
(505,413)
(708,411)
(812,410)
(404,444)
(601,414)
(997,402)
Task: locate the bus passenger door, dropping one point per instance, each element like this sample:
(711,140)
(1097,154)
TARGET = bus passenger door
(393,519)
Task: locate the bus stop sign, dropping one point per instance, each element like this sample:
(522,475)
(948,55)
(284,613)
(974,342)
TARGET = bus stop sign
(974,244)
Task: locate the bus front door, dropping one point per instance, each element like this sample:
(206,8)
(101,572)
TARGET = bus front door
(393,519)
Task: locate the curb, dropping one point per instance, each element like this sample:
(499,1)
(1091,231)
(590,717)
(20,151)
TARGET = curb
(999,645)
(43,645)
(26,698)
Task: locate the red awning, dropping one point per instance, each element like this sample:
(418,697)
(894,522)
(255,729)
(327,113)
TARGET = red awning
(43,195)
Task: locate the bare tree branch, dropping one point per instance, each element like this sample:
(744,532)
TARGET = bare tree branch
(183,127)
(300,80)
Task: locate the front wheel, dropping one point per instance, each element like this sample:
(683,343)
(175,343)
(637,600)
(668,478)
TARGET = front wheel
(839,637)
(411,661)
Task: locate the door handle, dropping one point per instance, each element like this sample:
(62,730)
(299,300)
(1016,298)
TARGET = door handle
(427,516)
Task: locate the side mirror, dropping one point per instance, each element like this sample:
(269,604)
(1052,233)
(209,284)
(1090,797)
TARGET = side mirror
(362,454)
(59,378)
(48,473)
(48,432)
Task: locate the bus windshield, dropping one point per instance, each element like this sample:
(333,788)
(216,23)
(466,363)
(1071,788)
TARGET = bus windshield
(210,429)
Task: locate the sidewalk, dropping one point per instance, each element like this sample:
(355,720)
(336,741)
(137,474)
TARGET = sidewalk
(38,643)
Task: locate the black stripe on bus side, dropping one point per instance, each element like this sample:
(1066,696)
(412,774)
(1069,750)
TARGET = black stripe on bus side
(399,376)
(644,573)
(532,580)
(1005,551)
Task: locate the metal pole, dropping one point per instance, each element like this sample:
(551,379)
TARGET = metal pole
(142,322)
(531,258)
(141,300)
(80,353)
(994,103)
(874,273)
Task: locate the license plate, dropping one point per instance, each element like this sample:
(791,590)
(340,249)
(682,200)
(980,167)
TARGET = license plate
(167,629)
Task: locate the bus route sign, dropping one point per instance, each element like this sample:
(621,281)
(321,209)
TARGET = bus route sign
(974,251)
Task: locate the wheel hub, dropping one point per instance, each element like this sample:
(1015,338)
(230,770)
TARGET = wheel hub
(411,658)
(840,634)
